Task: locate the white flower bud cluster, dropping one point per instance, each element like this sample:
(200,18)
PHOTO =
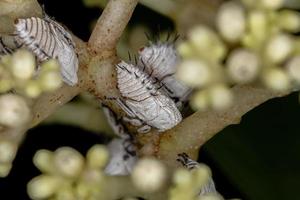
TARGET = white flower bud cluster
(266,51)
(201,68)
(67,175)
(14,114)
(18,71)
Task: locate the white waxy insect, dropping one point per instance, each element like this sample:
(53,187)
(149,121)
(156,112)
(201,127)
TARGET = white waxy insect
(123,157)
(143,100)
(48,39)
(160,60)
(191,164)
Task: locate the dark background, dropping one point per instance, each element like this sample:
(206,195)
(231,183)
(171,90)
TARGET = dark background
(255,160)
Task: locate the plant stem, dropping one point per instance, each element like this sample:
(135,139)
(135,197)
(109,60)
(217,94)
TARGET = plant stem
(198,128)
(110,25)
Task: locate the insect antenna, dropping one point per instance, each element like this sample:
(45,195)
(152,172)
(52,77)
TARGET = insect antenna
(168,36)
(147,36)
(135,60)
(144,65)
(176,37)
(158,33)
(124,68)
(129,56)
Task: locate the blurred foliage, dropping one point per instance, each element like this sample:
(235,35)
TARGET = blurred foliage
(260,156)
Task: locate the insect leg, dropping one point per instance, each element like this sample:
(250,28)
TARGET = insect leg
(133,121)
(126,109)
(144,129)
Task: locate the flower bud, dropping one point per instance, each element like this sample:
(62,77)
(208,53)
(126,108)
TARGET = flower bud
(97,156)
(149,175)
(293,68)
(5,169)
(231,21)
(65,193)
(6,83)
(14,110)
(201,175)
(32,89)
(185,50)
(276,79)
(258,25)
(43,160)
(68,162)
(207,43)
(50,80)
(271,4)
(23,64)
(289,20)
(7,151)
(43,186)
(182,177)
(220,97)
(194,73)
(200,100)
(50,65)
(242,66)
(279,48)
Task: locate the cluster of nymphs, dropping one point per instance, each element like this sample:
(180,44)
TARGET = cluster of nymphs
(151,96)
(46,39)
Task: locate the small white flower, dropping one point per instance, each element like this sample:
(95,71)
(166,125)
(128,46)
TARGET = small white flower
(97,156)
(194,73)
(7,151)
(278,48)
(149,175)
(221,97)
(68,162)
(243,66)
(276,79)
(14,110)
(23,64)
(43,186)
(272,4)
(231,21)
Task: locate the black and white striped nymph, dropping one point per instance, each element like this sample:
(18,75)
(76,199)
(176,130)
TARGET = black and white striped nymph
(161,60)
(48,39)
(142,99)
